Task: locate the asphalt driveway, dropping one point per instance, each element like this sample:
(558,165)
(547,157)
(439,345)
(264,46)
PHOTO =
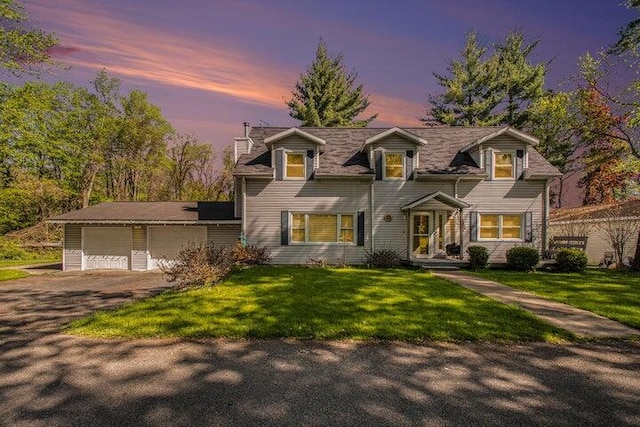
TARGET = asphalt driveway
(51,379)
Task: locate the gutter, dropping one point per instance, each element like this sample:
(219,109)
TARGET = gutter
(143,222)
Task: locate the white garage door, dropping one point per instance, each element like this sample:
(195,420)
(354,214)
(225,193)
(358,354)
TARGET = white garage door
(166,242)
(106,247)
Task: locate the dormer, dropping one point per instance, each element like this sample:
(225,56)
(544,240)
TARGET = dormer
(393,154)
(503,154)
(295,154)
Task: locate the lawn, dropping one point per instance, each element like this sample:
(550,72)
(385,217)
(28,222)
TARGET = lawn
(613,294)
(332,303)
(11,274)
(48,257)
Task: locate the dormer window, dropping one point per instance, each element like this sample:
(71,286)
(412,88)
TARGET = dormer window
(294,165)
(393,165)
(503,165)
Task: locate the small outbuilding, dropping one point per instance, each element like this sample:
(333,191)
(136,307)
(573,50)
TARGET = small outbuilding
(142,235)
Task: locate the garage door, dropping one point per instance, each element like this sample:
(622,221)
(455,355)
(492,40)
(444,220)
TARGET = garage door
(166,242)
(106,247)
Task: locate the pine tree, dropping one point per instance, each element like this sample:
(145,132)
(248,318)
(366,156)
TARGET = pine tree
(325,96)
(470,92)
(521,81)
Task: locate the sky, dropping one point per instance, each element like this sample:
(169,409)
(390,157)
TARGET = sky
(211,65)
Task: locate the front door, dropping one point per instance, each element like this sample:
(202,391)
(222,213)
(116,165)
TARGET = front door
(421,234)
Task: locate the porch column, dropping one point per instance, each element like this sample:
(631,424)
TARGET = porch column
(461,221)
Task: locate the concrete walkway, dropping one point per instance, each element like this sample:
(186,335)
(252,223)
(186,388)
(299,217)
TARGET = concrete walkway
(580,322)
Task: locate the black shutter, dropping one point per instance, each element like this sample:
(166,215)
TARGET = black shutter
(279,165)
(528,226)
(519,163)
(409,164)
(310,154)
(473,226)
(378,164)
(488,162)
(284,228)
(361,228)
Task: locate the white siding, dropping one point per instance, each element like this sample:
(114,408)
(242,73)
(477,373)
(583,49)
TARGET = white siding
(166,242)
(266,200)
(223,235)
(139,248)
(72,254)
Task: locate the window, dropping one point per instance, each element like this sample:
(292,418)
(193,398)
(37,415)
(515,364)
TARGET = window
(322,228)
(394,165)
(294,165)
(503,165)
(501,226)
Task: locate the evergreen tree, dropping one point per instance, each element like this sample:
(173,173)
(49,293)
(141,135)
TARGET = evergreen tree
(521,82)
(629,36)
(470,92)
(325,96)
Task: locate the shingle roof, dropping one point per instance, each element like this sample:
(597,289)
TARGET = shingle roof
(628,208)
(342,154)
(150,212)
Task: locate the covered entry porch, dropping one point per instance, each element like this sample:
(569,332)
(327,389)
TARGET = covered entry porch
(435,227)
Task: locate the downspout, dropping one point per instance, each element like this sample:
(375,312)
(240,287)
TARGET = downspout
(371,199)
(461,220)
(455,188)
(545,216)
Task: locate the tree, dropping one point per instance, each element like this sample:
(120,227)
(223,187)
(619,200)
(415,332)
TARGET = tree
(470,92)
(22,47)
(629,36)
(486,90)
(520,81)
(325,95)
(618,232)
(186,157)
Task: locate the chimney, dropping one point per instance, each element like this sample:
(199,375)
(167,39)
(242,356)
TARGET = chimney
(243,144)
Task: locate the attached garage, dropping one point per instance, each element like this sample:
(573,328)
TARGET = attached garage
(106,248)
(141,235)
(166,242)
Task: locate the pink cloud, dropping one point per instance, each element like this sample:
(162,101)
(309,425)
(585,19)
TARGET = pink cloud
(63,51)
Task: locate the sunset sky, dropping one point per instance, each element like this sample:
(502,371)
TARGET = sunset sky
(211,65)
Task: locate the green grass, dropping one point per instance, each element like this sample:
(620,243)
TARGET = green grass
(11,274)
(613,294)
(304,303)
(46,258)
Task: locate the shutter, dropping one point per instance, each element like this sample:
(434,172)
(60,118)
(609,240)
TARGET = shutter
(409,164)
(473,226)
(378,165)
(528,226)
(279,165)
(284,228)
(488,162)
(361,228)
(309,166)
(519,163)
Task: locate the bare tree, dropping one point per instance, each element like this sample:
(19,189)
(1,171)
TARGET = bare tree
(619,232)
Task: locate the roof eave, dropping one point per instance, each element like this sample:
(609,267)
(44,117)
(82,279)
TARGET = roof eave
(508,130)
(328,176)
(394,130)
(143,222)
(294,131)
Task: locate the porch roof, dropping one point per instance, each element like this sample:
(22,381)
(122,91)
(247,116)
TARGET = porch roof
(439,196)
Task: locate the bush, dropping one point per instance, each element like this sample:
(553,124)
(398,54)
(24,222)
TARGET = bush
(249,255)
(198,265)
(522,258)
(204,265)
(11,250)
(383,258)
(571,261)
(478,257)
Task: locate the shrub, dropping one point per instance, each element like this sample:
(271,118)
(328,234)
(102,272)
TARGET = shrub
(317,262)
(571,261)
(198,265)
(383,258)
(11,250)
(249,255)
(522,258)
(478,257)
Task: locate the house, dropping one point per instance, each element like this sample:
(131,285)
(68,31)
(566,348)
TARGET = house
(338,193)
(598,223)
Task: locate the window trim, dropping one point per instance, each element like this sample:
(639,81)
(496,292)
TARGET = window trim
(513,164)
(500,216)
(285,163)
(384,165)
(339,228)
